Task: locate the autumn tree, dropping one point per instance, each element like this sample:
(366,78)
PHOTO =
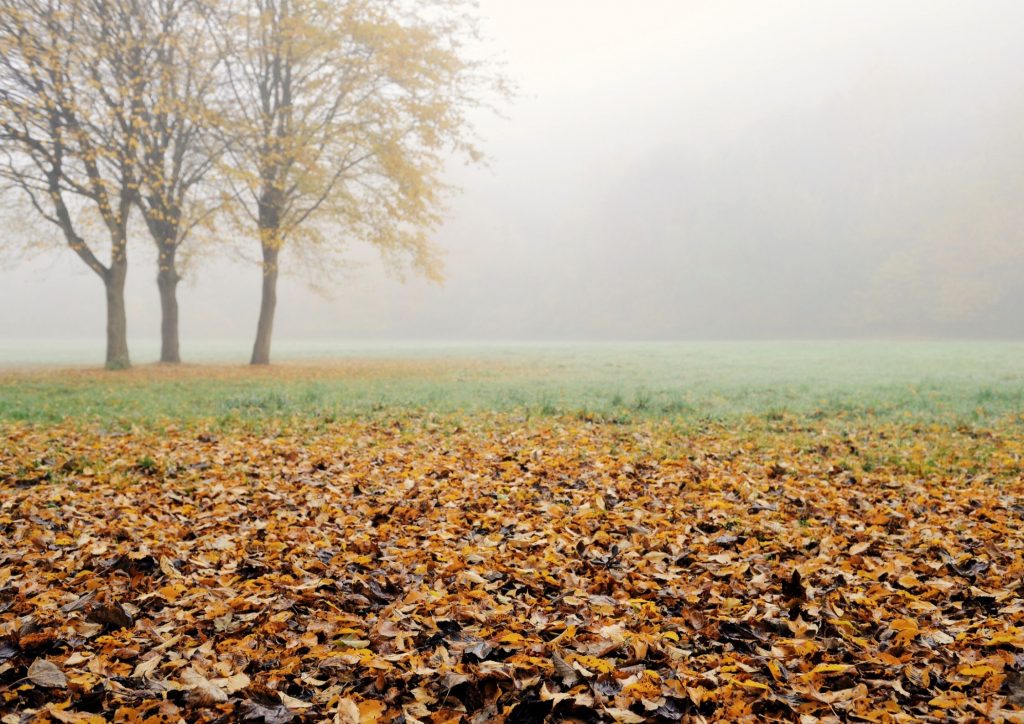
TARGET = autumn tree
(342,114)
(108,100)
(70,106)
(178,141)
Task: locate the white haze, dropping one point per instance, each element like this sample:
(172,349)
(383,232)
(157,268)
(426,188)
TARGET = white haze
(676,170)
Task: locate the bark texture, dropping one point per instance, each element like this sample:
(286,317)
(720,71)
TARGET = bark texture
(167,282)
(117,318)
(268,304)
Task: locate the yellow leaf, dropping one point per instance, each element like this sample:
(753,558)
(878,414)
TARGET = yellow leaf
(949,700)
(830,669)
(171,592)
(979,671)
(510,638)
(371,711)
(1013,638)
(592,663)
(751,684)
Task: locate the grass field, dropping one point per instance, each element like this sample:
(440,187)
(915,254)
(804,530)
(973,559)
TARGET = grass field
(955,383)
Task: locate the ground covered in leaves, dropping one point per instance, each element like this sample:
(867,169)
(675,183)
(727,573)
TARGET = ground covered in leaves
(496,569)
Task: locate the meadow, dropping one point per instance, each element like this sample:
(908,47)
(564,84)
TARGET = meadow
(957,383)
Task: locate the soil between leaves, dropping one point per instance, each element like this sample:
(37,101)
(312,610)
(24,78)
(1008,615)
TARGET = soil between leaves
(491,569)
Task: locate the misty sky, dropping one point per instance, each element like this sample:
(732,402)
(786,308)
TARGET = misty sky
(676,169)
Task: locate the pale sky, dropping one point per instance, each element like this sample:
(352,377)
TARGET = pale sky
(676,170)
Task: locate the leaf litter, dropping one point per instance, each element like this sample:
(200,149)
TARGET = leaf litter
(495,569)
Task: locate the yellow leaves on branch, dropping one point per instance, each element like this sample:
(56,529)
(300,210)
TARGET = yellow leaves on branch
(347,113)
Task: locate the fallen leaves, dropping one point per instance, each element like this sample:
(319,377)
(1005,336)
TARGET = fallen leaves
(497,570)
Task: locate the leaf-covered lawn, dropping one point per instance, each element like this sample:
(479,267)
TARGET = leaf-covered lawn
(505,570)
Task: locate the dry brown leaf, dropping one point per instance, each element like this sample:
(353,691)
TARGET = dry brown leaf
(347,713)
(201,691)
(47,674)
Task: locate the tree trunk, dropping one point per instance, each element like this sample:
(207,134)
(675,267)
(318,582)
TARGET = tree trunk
(268,303)
(117,320)
(167,281)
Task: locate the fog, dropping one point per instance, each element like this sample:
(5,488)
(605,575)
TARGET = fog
(672,169)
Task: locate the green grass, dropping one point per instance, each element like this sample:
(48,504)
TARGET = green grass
(967,383)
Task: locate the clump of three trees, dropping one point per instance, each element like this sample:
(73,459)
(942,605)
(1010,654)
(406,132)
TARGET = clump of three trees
(308,122)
